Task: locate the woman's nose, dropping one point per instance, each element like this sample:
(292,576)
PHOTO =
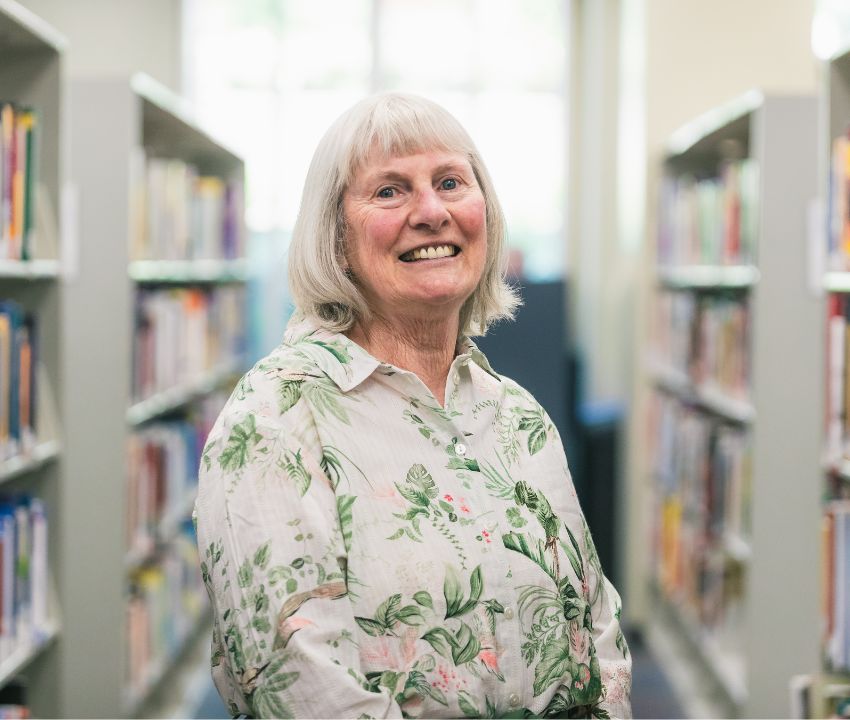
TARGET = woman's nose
(429,212)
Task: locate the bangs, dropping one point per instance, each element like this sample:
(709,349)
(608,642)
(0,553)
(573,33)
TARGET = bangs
(396,127)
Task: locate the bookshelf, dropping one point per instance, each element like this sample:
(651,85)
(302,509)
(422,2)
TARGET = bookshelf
(31,79)
(154,346)
(732,424)
(829,686)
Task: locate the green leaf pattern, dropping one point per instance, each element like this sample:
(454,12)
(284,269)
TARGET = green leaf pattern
(339,554)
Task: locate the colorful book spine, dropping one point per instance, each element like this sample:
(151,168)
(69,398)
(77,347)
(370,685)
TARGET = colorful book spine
(709,220)
(18,372)
(166,600)
(181,214)
(24,616)
(837,399)
(18,176)
(183,333)
(838,205)
(702,470)
(705,338)
(836,586)
(163,461)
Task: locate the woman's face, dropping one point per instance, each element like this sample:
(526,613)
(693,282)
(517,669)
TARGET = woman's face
(417,236)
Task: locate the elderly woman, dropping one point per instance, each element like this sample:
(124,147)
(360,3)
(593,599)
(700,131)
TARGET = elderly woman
(388,527)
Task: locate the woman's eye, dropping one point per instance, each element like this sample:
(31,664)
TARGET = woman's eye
(386,193)
(449,184)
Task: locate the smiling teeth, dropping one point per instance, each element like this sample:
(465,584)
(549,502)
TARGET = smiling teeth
(430,253)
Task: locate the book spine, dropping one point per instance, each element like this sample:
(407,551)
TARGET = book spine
(23,569)
(181,334)
(15,317)
(18,187)
(835,377)
(39,580)
(29,123)
(9,637)
(7,116)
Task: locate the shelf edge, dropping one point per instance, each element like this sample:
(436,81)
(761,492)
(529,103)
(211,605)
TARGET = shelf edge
(24,655)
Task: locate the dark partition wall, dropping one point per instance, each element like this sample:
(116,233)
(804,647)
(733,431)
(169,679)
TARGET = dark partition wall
(537,351)
(533,349)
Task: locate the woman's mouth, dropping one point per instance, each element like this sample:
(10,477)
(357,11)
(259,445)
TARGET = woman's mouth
(431,252)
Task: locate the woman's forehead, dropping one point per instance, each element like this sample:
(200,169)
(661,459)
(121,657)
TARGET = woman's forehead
(378,159)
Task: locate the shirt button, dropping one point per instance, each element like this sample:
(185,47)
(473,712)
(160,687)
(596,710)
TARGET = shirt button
(509,613)
(460,448)
(513,700)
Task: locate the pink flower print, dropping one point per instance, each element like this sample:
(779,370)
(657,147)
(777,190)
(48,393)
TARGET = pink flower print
(407,646)
(376,652)
(448,498)
(617,681)
(486,536)
(491,662)
(292,625)
(463,507)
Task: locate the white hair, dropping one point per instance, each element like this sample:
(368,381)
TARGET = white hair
(394,124)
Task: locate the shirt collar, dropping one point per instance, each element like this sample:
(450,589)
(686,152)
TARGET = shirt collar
(469,348)
(343,361)
(348,364)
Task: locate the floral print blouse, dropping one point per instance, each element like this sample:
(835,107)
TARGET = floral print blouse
(369,553)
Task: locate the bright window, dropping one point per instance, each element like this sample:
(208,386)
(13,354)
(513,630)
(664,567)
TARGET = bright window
(269,76)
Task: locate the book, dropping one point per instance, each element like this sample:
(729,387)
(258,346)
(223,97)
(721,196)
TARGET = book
(181,334)
(702,469)
(28,125)
(8,625)
(165,602)
(24,590)
(18,373)
(706,338)
(7,119)
(709,220)
(180,213)
(163,461)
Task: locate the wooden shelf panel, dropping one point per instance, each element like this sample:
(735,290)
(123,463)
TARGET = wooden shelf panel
(713,400)
(727,669)
(42,454)
(715,125)
(178,397)
(26,653)
(837,282)
(29,269)
(188,271)
(708,277)
(21,29)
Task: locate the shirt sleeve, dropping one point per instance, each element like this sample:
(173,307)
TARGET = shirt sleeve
(612,652)
(274,563)
(615,661)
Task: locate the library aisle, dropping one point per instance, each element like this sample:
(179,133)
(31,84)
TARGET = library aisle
(679,230)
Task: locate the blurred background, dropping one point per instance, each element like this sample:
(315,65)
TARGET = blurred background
(674,175)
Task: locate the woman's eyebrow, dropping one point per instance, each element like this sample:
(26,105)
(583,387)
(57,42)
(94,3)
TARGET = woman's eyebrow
(395,176)
(457,167)
(388,176)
